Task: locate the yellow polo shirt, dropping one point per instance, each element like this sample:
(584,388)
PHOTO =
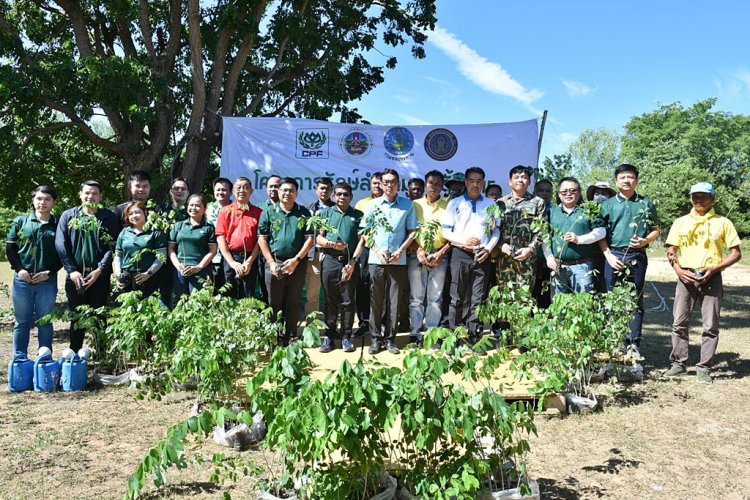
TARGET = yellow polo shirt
(701,240)
(427,212)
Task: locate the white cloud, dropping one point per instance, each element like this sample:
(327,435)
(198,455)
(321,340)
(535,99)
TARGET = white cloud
(735,85)
(577,89)
(403,98)
(412,120)
(488,75)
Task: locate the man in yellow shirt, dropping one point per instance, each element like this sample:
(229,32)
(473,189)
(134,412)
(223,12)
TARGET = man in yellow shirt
(695,249)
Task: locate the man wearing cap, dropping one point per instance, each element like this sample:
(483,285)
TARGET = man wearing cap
(455,184)
(599,192)
(695,249)
(632,225)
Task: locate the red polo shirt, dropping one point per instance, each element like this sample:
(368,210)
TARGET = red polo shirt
(239,227)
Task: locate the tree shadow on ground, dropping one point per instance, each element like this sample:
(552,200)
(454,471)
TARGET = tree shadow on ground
(614,464)
(567,489)
(730,366)
(182,489)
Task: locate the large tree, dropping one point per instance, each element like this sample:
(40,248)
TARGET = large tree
(676,146)
(161,74)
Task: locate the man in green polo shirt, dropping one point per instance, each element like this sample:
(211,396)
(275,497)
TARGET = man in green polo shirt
(30,247)
(571,254)
(631,222)
(285,246)
(339,271)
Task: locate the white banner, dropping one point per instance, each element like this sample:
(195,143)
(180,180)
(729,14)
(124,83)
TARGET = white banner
(308,149)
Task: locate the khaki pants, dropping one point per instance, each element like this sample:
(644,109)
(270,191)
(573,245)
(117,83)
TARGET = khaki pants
(685,298)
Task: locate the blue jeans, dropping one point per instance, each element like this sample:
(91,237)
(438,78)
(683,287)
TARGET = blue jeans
(575,278)
(187,284)
(31,302)
(637,262)
(426,283)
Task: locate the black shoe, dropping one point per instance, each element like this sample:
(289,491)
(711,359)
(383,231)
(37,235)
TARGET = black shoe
(375,347)
(391,346)
(361,331)
(328,345)
(415,342)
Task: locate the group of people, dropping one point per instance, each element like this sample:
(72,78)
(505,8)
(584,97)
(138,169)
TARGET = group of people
(429,257)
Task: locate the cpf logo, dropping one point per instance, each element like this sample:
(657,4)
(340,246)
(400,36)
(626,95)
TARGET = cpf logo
(312,143)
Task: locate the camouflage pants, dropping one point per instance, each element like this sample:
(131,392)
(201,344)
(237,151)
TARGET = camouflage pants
(520,273)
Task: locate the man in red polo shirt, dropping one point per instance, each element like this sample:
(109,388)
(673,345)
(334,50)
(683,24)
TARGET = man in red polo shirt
(237,236)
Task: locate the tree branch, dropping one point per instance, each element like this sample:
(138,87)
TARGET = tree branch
(196,68)
(40,131)
(80,31)
(143,17)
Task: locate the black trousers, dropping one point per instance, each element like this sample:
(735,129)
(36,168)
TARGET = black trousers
(166,284)
(363,288)
(217,272)
(261,278)
(468,284)
(240,287)
(339,297)
(386,283)
(285,296)
(95,296)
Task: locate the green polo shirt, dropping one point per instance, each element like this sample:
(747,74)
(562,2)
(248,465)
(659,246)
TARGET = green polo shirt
(132,248)
(574,222)
(347,226)
(192,241)
(176,214)
(267,204)
(36,243)
(628,217)
(281,230)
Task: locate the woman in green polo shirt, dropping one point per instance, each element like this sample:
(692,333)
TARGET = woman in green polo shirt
(139,253)
(192,247)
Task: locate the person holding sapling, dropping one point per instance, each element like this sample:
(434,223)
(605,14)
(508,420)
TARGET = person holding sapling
(632,225)
(387,228)
(237,237)
(339,270)
(473,231)
(30,246)
(172,211)
(516,263)
(272,190)
(696,245)
(541,291)
(323,191)
(84,240)
(139,252)
(427,259)
(139,189)
(192,247)
(285,240)
(573,234)
(363,283)
(222,198)
(599,192)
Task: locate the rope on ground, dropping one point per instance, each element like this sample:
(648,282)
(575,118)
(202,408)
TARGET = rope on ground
(662,306)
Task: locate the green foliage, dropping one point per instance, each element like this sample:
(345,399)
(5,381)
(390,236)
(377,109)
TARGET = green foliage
(374,222)
(677,146)
(595,155)
(91,226)
(6,219)
(93,88)
(340,432)
(563,342)
(555,168)
(427,234)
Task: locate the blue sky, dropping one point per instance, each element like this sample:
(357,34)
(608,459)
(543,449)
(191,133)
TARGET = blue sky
(590,63)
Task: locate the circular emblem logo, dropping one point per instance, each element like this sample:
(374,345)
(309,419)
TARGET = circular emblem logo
(356,143)
(398,141)
(441,144)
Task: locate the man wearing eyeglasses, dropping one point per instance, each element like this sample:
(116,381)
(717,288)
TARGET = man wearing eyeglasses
(387,259)
(571,254)
(339,271)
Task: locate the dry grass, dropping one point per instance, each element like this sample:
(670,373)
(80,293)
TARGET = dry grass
(656,439)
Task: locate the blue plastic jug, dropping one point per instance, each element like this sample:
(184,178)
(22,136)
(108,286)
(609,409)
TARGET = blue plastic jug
(20,373)
(46,374)
(74,374)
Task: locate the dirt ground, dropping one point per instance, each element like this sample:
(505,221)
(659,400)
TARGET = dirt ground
(655,439)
